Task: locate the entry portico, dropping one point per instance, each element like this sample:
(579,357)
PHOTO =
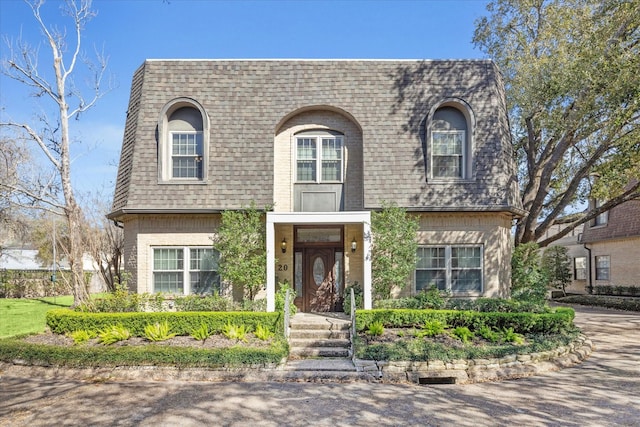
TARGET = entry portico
(362,251)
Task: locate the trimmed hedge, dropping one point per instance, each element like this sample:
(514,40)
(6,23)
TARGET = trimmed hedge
(157,355)
(558,321)
(618,303)
(62,321)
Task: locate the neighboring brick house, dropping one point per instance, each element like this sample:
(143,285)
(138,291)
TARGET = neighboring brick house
(613,244)
(577,254)
(325,142)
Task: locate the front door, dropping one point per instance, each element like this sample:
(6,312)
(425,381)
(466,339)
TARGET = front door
(319,279)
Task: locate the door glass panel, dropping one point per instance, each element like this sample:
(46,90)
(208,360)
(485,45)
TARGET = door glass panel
(338,278)
(298,270)
(318,271)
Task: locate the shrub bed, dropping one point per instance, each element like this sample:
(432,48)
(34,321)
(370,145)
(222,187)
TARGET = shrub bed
(618,303)
(157,355)
(63,321)
(553,322)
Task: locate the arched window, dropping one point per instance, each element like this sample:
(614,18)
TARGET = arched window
(184,143)
(450,144)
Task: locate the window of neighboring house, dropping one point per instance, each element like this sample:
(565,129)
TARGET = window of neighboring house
(454,268)
(184,151)
(450,148)
(603,218)
(184,271)
(603,264)
(322,153)
(580,268)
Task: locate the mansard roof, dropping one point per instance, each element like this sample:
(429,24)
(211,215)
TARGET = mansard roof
(246,100)
(623,222)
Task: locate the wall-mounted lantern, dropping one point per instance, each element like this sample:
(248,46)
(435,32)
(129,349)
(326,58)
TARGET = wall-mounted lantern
(283,245)
(354,245)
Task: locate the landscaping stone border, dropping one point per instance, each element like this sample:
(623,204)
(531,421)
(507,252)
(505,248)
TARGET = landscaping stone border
(479,370)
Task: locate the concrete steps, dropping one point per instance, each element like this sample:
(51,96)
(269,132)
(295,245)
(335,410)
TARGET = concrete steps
(315,335)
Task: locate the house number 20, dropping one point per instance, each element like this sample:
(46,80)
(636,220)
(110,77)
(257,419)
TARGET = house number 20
(283,267)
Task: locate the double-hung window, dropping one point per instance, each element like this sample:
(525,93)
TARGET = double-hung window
(603,264)
(319,153)
(458,269)
(186,155)
(185,270)
(580,268)
(448,158)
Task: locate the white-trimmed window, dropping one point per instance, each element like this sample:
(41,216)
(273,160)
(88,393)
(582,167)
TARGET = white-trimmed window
(184,270)
(458,269)
(603,265)
(448,157)
(324,153)
(183,143)
(187,152)
(580,268)
(449,144)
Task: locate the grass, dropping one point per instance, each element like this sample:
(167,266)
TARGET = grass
(25,316)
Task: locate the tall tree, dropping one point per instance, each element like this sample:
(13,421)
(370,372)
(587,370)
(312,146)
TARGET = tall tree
(393,249)
(52,135)
(572,76)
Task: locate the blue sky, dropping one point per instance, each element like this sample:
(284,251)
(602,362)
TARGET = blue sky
(132,31)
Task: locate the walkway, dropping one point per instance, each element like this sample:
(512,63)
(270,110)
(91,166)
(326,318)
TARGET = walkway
(602,391)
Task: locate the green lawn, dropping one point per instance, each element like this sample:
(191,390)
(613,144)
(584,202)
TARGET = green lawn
(22,316)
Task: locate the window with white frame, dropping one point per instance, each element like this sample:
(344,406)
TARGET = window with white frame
(185,270)
(603,264)
(183,150)
(448,157)
(186,154)
(580,268)
(458,269)
(323,153)
(449,144)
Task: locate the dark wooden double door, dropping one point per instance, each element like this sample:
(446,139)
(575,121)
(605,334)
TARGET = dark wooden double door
(319,278)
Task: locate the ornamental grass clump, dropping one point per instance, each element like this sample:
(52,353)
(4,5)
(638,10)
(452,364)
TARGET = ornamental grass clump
(235,332)
(376,329)
(80,336)
(262,332)
(158,332)
(201,333)
(113,334)
(463,334)
(431,328)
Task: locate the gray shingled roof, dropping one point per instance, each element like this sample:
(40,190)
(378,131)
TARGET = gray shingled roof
(246,99)
(623,221)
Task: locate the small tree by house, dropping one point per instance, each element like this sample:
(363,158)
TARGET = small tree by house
(241,242)
(557,267)
(528,283)
(393,250)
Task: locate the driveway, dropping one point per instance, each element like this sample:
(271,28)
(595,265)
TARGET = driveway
(602,391)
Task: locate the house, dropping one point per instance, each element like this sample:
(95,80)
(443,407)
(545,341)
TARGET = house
(24,274)
(577,253)
(325,142)
(612,241)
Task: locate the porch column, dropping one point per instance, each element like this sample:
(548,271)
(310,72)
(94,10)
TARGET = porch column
(366,253)
(271,266)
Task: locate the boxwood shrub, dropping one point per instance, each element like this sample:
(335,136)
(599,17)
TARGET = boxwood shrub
(13,349)
(62,321)
(560,320)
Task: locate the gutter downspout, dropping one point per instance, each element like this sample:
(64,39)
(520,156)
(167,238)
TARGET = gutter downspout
(589,282)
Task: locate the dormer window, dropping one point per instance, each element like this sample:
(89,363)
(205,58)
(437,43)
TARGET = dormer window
(449,145)
(319,151)
(186,155)
(183,144)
